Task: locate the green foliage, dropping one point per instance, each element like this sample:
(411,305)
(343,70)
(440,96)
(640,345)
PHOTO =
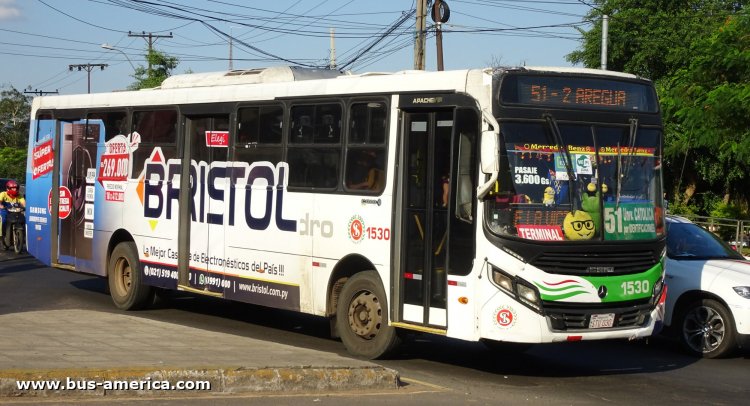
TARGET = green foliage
(682,209)
(707,104)
(727,211)
(160,67)
(15,108)
(13,163)
(649,38)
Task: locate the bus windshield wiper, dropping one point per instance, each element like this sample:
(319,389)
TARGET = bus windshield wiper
(567,160)
(632,134)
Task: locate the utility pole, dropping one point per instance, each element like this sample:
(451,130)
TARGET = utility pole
(40,92)
(605,38)
(419,37)
(150,38)
(231,37)
(440,14)
(332,59)
(88,67)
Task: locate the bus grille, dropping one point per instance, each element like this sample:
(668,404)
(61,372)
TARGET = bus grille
(564,318)
(587,263)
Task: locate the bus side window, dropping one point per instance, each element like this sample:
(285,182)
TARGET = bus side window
(156,128)
(259,134)
(314,148)
(365,154)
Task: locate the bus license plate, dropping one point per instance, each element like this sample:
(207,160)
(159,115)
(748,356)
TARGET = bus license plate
(602,320)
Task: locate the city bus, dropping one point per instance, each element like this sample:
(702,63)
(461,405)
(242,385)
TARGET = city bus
(503,205)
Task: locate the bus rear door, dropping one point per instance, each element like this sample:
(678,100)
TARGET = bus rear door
(206,144)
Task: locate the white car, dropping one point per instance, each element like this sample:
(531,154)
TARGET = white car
(708,296)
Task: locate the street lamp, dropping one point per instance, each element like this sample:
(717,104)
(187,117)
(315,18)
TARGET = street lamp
(111,48)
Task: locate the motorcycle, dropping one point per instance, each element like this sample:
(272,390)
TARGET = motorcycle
(16,228)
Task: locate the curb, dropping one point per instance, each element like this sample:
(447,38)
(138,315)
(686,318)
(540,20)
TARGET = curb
(151,382)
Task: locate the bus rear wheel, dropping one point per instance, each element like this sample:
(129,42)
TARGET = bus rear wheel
(362,317)
(126,279)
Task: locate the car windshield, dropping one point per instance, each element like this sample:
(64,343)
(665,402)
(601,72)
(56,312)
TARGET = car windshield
(690,241)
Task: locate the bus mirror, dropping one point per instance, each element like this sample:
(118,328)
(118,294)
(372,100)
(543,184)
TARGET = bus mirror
(489,152)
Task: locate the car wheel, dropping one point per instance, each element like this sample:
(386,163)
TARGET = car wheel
(707,329)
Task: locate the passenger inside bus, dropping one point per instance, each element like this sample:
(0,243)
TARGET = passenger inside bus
(366,172)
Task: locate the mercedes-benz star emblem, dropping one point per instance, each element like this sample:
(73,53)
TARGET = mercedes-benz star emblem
(602,292)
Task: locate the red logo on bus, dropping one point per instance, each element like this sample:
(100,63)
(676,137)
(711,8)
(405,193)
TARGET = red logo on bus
(217,139)
(66,201)
(505,317)
(356,229)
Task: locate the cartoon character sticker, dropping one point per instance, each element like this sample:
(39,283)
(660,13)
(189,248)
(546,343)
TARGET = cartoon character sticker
(578,225)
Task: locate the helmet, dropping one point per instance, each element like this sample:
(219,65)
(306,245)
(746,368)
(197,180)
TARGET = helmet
(12,188)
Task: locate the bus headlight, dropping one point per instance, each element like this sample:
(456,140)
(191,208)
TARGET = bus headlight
(502,280)
(528,296)
(517,288)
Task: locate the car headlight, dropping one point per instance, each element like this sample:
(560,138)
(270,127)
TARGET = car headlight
(743,291)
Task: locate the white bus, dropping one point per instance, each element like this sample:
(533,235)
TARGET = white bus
(505,205)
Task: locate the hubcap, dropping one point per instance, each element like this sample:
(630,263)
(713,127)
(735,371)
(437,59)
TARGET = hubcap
(703,329)
(123,276)
(365,315)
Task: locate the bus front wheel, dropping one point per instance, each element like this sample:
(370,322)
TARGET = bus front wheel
(362,317)
(126,279)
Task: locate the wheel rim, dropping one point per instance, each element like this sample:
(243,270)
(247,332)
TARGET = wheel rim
(365,315)
(703,329)
(123,277)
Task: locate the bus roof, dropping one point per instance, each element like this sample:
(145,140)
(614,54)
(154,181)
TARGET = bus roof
(283,81)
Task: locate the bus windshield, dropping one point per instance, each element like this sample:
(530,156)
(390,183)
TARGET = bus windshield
(575,181)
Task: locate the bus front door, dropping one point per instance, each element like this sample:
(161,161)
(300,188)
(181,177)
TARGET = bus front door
(425,238)
(202,225)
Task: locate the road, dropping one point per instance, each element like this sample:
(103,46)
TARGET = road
(435,370)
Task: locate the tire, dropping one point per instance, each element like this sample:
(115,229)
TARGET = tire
(362,317)
(18,239)
(125,279)
(706,329)
(7,238)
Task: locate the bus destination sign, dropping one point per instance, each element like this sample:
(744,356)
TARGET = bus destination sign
(577,92)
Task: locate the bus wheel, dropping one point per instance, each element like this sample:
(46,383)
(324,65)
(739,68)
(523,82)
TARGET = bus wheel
(126,279)
(362,317)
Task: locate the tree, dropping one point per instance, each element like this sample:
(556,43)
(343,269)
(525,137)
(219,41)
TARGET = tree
(15,108)
(160,67)
(650,38)
(707,104)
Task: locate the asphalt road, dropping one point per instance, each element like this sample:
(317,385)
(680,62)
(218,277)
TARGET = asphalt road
(435,370)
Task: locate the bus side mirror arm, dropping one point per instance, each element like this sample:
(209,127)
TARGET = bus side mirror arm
(489,152)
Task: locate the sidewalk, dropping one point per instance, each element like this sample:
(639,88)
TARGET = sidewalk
(77,345)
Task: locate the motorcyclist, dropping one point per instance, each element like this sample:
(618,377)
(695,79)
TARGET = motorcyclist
(8,198)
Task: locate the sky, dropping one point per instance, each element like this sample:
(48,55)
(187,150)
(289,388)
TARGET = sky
(40,39)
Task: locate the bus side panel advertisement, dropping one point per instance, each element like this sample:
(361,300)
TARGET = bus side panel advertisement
(255,291)
(38,213)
